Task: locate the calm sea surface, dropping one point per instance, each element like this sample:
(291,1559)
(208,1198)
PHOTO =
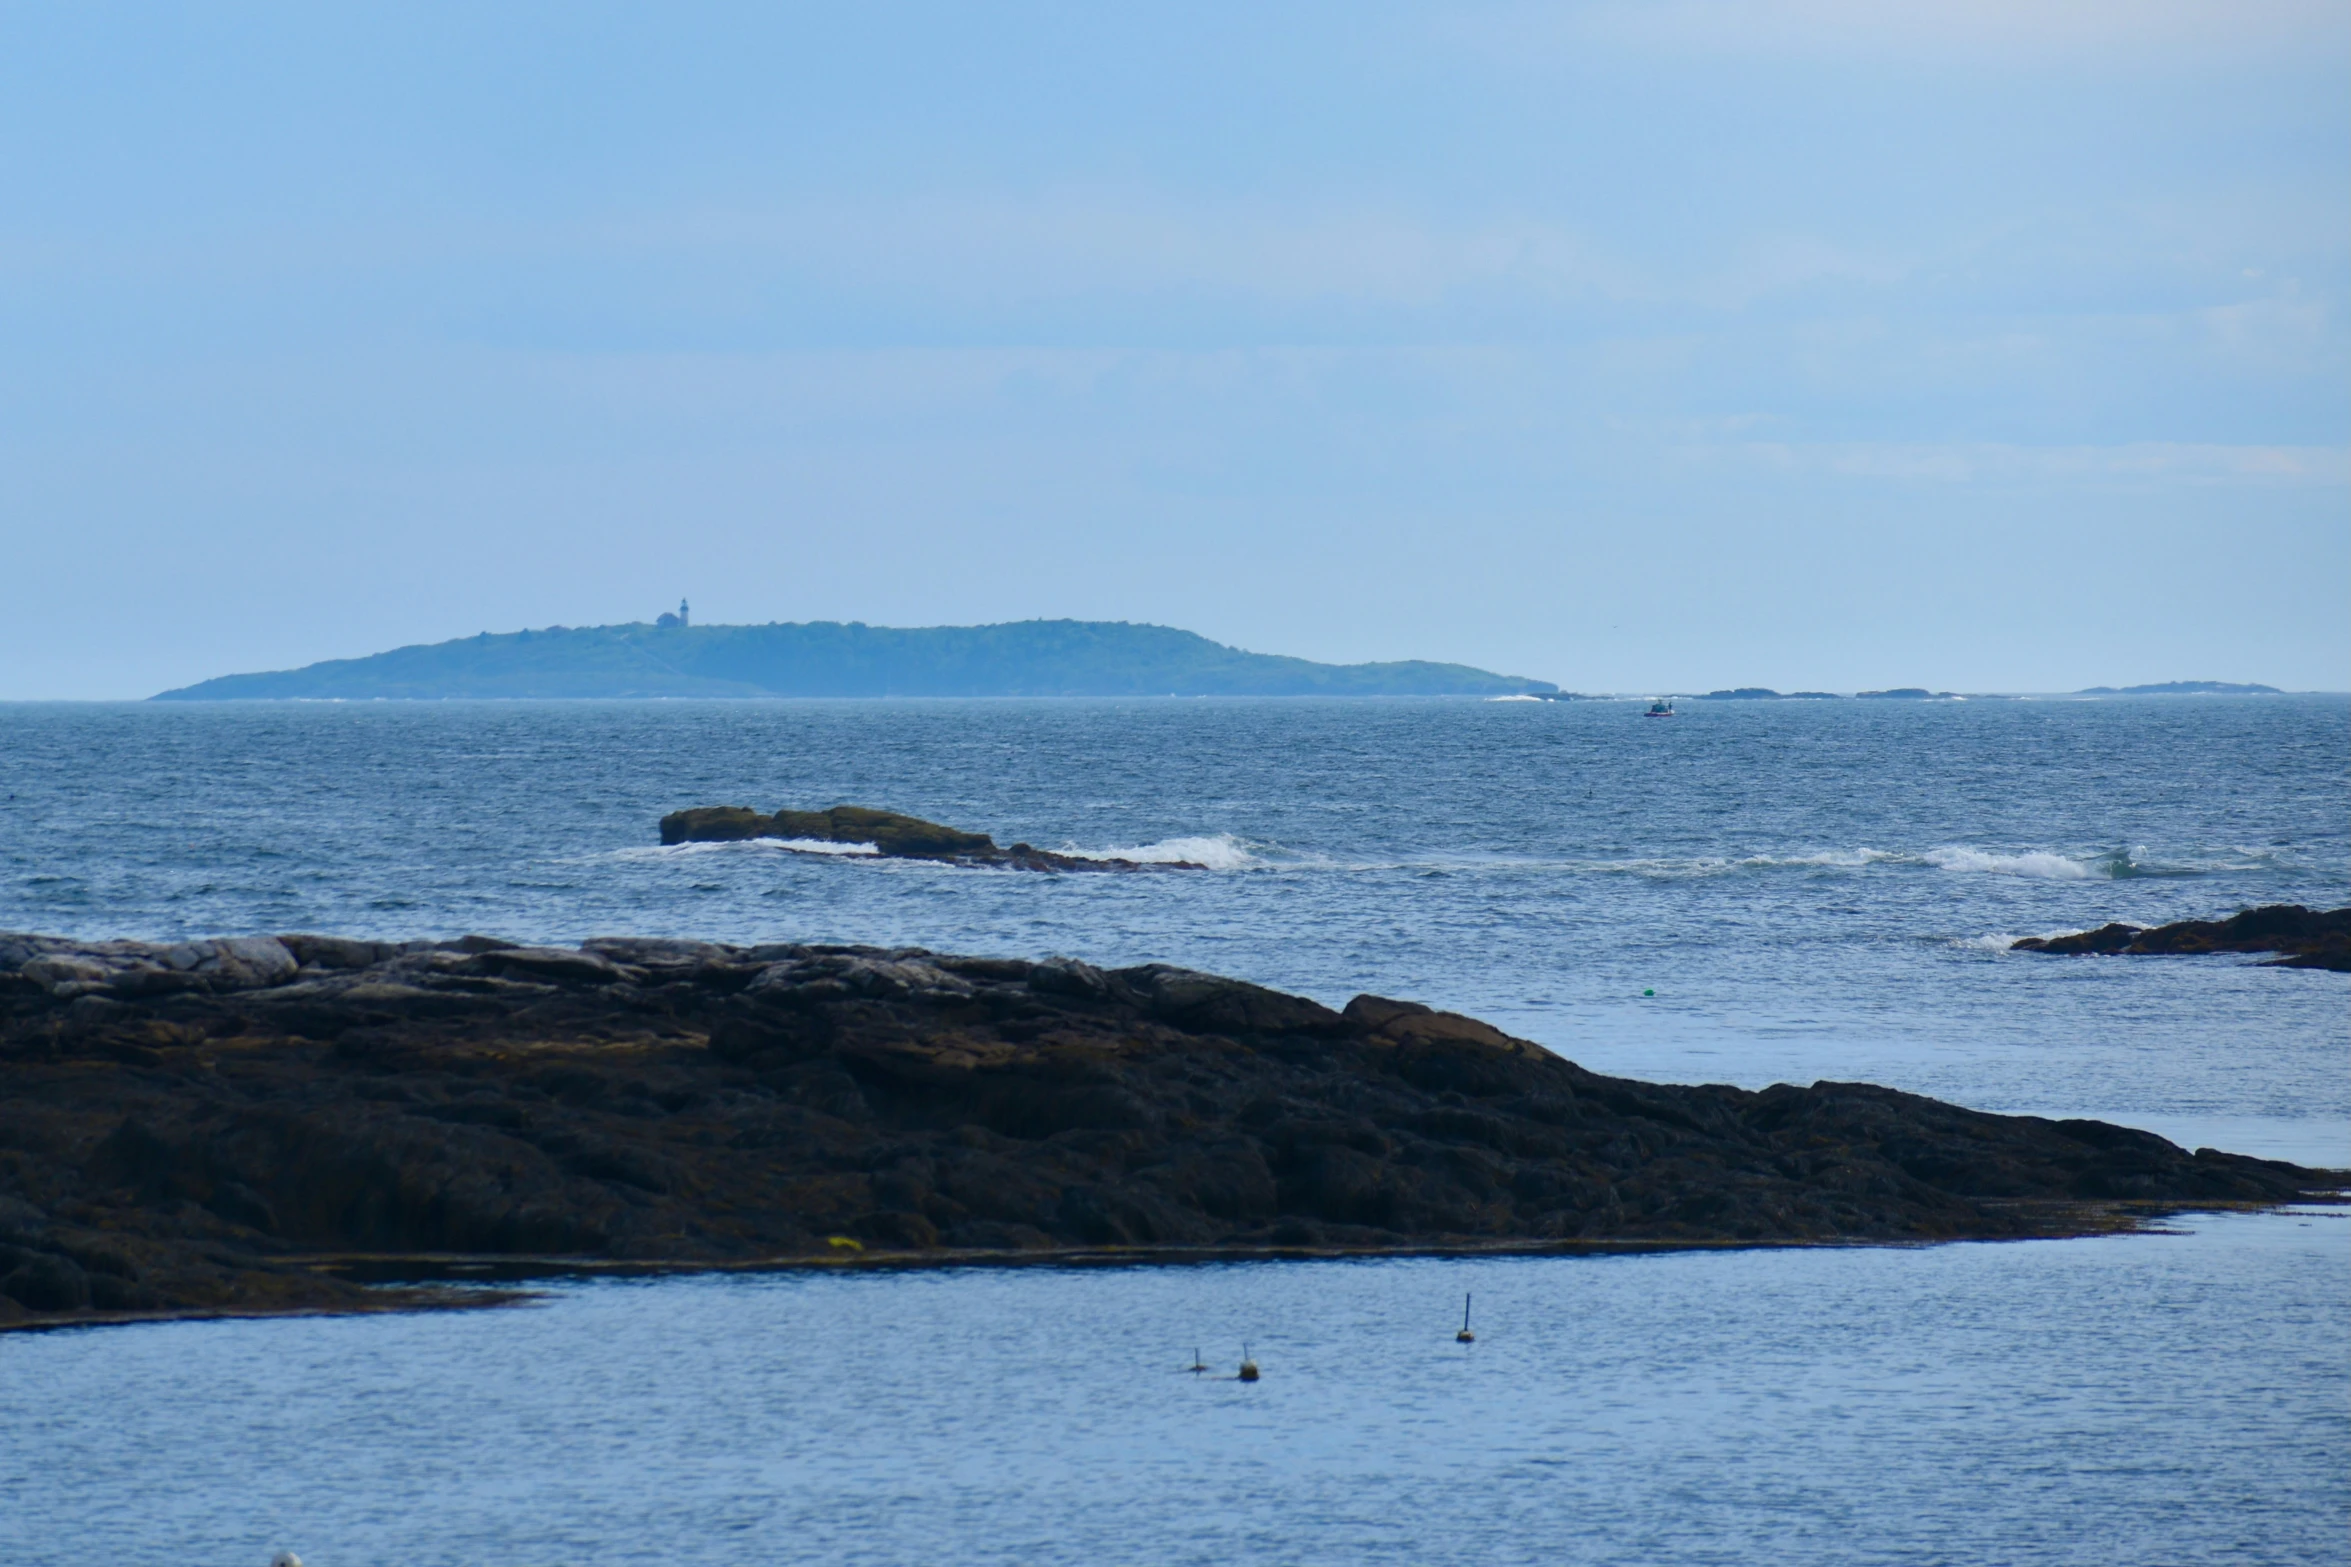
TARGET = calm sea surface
(1811,890)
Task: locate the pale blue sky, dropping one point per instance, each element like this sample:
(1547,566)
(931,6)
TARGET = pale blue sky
(1807,343)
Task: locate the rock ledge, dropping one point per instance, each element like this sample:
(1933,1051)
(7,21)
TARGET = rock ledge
(2309,938)
(888,834)
(255,1124)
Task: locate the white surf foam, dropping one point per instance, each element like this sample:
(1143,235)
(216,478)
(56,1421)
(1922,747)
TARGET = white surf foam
(1987,943)
(746,846)
(1218,851)
(2052,867)
(1827,859)
(1717,865)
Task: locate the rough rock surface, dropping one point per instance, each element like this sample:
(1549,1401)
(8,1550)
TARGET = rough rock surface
(891,835)
(195,1127)
(2309,938)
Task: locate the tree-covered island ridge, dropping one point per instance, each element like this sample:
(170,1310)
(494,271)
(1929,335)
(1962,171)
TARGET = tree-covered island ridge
(671,658)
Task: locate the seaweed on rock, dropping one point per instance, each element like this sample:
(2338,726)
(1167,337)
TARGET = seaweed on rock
(247,1125)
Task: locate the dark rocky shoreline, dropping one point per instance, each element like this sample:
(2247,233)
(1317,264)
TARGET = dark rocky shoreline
(250,1126)
(2305,938)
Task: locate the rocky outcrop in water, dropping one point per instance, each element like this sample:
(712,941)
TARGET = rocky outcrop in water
(2308,938)
(251,1125)
(890,834)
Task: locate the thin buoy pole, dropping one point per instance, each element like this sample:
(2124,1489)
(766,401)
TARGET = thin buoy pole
(1465,1336)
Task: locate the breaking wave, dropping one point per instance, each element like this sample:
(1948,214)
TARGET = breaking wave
(1217,851)
(1226,851)
(2103,865)
(2040,864)
(1987,943)
(2052,867)
(1725,865)
(1829,859)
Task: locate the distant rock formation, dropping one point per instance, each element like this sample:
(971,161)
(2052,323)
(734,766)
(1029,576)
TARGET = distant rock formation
(1767,694)
(256,1125)
(2309,938)
(1907,694)
(2182,688)
(891,834)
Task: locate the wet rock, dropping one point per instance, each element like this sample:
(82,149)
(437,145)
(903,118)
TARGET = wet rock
(42,1280)
(2308,938)
(1212,1003)
(552,963)
(896,1228)
(720,824)
(1069,977)
(241,1204)
(700,1102)
(890,834)
(338,952)
(66,968)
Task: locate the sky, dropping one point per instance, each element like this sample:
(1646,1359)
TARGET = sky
(1812,344)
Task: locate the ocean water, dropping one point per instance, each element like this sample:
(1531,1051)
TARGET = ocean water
(1809,890)
(2159,1399)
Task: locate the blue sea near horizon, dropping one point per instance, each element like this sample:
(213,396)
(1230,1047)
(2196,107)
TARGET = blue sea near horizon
(1811,890)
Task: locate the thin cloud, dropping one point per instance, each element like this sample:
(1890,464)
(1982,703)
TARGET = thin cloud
(2076,33)
(1986,462)
(1100,242)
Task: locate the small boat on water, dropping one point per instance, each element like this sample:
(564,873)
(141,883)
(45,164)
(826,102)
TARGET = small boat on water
(1661,708)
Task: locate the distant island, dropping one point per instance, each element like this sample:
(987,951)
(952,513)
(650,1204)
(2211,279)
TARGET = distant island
(670,658)
(1922,694)
(1767,694)
(2182,688)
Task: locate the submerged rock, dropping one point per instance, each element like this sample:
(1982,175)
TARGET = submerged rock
(887,833)
(257,1141)
(2308,938)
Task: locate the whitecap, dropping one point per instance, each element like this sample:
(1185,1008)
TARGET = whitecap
(2052,867)
(1716,865)
(1218,851)
(1989,943)
(1826,859)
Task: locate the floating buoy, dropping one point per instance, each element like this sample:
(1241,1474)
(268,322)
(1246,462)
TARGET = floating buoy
(1648,992)
(1198,1365)
(285,1559)
(1465,1336)
(1248,1366)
